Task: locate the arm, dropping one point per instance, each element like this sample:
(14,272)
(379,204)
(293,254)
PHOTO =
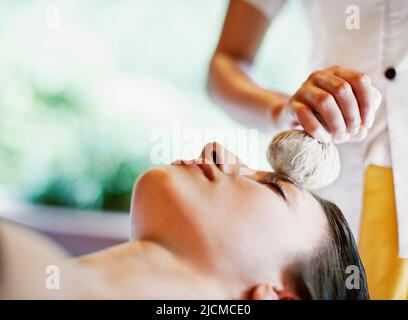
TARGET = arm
(229,82)
(332,104)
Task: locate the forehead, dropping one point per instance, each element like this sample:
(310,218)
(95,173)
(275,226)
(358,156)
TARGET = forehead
(311,217)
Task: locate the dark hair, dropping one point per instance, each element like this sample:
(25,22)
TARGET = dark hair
(323,274)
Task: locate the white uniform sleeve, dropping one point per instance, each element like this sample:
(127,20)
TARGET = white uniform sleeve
(269,8)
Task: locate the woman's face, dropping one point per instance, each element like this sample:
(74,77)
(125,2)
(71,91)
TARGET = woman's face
(218,212)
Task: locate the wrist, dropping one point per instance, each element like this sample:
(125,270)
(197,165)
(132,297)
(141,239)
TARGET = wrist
(278,113)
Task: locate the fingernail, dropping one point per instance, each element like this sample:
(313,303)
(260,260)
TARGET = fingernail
(377,98)
(354,131)
(342,138)
(370,120)
(323,135)
(363,133)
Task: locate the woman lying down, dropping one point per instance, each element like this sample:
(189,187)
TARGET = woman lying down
(211,228)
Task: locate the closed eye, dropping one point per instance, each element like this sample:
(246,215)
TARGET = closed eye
(275,182)
(276,186)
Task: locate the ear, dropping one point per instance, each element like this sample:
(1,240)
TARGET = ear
(269,291)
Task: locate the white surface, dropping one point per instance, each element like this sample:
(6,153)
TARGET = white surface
(68,221)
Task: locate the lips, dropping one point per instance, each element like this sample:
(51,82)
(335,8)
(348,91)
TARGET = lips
(200,166)
(207,169)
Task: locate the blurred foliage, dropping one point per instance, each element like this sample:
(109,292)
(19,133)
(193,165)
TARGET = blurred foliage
(60,152)
(111,191)
(56,100)
(60,145)
(78,103)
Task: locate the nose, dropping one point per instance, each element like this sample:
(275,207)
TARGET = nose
(225,160)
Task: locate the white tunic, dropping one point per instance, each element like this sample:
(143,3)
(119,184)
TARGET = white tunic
(380,43)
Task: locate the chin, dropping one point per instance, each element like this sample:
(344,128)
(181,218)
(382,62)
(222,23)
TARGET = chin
(155,195)
(150,182)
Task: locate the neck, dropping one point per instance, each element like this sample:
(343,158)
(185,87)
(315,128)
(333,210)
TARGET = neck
(146,270)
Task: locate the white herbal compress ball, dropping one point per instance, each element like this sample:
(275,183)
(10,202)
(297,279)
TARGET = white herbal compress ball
(305,160)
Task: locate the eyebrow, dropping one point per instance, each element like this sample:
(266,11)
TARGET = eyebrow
(275,179)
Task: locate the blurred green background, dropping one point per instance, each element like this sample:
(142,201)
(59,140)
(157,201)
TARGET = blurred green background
(84,83)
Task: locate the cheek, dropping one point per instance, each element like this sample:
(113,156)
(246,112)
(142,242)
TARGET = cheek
(256,226)
(267,221)
(252,216)
(277,226)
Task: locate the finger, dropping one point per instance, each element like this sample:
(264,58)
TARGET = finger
(342,92)
(325,104)
(309,122)
(361,135)
(297,127)
(362,89)
(376,97)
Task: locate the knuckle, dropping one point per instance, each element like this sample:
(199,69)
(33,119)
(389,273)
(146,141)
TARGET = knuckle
(324,100)
(362,79)
(316,74)
(300,109)
(335,67)
(303,92)
(341,88)
(298,94)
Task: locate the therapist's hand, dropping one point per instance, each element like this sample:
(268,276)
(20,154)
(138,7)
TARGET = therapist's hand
(334,104)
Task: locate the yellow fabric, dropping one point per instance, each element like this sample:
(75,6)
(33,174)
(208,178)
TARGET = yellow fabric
(387,275)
